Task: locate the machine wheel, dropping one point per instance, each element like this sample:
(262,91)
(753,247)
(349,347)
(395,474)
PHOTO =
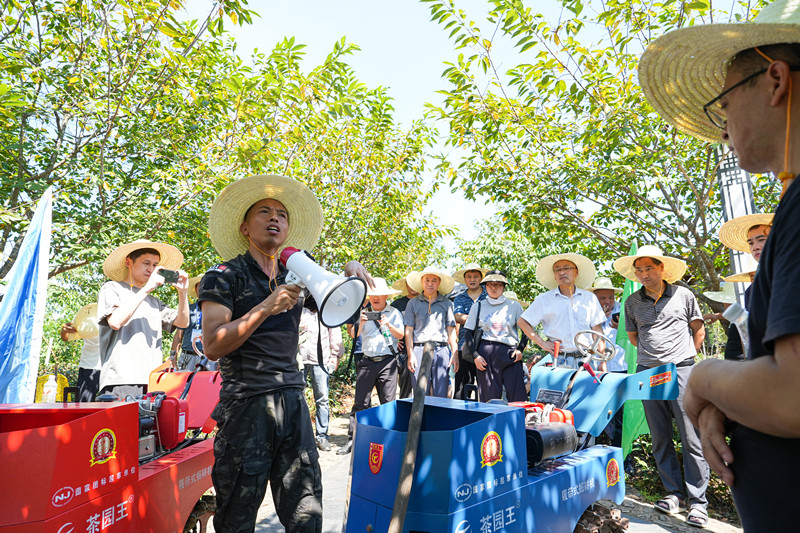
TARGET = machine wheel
(203,511)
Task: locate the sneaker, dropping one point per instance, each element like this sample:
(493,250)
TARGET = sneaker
(344,450)
(323,444)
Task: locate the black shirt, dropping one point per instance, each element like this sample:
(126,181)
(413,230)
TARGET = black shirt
(765,467)
(267,361)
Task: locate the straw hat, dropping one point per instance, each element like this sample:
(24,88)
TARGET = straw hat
(726,296)
(400,284)
(494,275)
(750,267)
(511,295)
(673,268)
(193,283)
(733,233)
(603,282)
(85,322)
(685,68)
(414,279)
(114,265)
(586,270)
(381,288)
(227,213)
(459,274)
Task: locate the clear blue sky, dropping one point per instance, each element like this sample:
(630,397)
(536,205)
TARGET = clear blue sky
(401,49)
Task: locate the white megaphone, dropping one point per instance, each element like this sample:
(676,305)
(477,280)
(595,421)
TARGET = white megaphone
(337,297)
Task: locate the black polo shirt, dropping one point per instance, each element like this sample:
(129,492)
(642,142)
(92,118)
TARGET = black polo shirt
(766,468)
(267,361)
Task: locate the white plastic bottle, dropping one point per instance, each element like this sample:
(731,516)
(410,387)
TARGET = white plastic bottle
(49,390)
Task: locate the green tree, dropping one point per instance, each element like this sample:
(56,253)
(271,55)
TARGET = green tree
(96,100)
(566,139)
(139,119)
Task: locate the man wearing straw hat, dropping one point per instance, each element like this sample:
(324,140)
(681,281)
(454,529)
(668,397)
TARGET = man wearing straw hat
(378,368)
(131,319)
(746,76)
(429,318)
(471,276)
(251,323)
(565,309)
(664,322)
(606,293)
(403,374)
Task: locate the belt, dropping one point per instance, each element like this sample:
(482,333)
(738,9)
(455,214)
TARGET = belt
(685,363)
(435,343)
(574,355)
(378,358)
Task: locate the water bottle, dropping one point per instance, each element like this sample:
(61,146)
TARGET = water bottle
(386,334)
(49,390)
(737,315)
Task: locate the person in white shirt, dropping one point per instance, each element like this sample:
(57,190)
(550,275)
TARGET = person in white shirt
(565,309)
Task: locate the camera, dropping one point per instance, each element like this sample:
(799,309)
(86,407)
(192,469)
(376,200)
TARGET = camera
(373,315)
(170,276)
(615,317)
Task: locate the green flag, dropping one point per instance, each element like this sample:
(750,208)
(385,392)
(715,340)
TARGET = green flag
(633,420)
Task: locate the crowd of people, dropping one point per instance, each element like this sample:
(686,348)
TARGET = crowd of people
(254,324)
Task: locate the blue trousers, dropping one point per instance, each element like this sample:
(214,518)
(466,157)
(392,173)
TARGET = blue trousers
(439,378)
(319,386)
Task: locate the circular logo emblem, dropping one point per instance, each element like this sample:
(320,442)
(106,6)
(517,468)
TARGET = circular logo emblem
(491,449)
(612,473)
(104,447)
(62,496)
(463,492)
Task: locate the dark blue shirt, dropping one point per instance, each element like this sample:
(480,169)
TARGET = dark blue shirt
(462,304)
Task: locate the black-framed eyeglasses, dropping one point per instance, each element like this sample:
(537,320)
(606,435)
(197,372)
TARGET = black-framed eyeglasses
(717,115)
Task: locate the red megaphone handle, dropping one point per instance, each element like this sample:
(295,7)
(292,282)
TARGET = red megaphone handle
(286,253)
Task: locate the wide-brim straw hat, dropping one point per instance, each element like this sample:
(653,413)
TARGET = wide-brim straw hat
(381,288)
(494,276)
(733,233)
(85,322)
(458,275)
(400,284)
(726,296)
(511,295)
(586,270)
(414,280)
(193,283)
(674,269)
(603,282)
(750,267)
(114,266)
(230,207)
(686,68)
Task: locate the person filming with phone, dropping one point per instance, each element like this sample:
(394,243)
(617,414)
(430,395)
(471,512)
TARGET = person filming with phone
(131,319)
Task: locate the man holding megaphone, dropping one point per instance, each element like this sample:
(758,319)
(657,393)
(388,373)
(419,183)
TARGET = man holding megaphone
(251,319)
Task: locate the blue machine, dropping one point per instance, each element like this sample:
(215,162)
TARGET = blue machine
(472,473)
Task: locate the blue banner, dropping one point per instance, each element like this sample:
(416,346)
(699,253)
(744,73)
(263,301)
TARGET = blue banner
(22,309)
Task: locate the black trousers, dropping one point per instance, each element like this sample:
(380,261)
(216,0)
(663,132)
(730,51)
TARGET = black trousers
(88,384)
(264,439)
(501,371)
(381,375)
(467,375)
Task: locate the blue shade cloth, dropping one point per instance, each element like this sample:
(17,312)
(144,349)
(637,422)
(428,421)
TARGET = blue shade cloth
(22,309)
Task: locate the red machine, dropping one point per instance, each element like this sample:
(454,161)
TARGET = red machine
(111,467)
